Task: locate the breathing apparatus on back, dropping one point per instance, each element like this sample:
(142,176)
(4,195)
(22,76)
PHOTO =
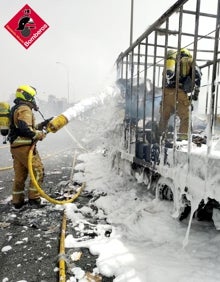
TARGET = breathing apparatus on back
(170,66)
(4,120)
(25,94)
(185,63)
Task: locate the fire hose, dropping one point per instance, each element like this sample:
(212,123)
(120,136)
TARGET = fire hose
(54,126)
(40,190)
(62,274)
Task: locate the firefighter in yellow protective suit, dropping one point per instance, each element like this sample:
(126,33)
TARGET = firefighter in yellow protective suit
(179,100)
(23,133)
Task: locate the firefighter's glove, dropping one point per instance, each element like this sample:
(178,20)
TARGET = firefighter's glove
(39,135)
(195,94)
(44,124)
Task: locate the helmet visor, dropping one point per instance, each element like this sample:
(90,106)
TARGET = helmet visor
(26,96)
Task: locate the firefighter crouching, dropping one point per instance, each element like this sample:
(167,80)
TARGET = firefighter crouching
(23,133)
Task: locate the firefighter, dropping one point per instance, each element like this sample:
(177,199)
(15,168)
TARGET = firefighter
(23,133)
(185,86)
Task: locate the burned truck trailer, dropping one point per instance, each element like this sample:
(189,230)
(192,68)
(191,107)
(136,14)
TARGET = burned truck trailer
(185,171)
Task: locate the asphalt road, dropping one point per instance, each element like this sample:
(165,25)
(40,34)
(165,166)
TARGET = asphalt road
(30,239)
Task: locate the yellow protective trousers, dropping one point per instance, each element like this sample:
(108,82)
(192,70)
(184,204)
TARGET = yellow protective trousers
(167,109)
(20,163)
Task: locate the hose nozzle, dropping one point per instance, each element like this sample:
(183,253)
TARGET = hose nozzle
(57,123)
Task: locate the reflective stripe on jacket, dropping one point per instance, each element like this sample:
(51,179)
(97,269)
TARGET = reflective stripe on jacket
(24,124)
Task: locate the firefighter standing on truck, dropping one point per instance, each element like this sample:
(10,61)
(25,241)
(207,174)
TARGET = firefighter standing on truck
(185,86)
(23,133)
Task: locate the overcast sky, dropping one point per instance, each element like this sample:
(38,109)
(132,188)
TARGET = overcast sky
(86,36)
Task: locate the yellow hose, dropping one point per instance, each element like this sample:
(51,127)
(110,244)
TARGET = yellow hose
(40,190)
(62,272)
